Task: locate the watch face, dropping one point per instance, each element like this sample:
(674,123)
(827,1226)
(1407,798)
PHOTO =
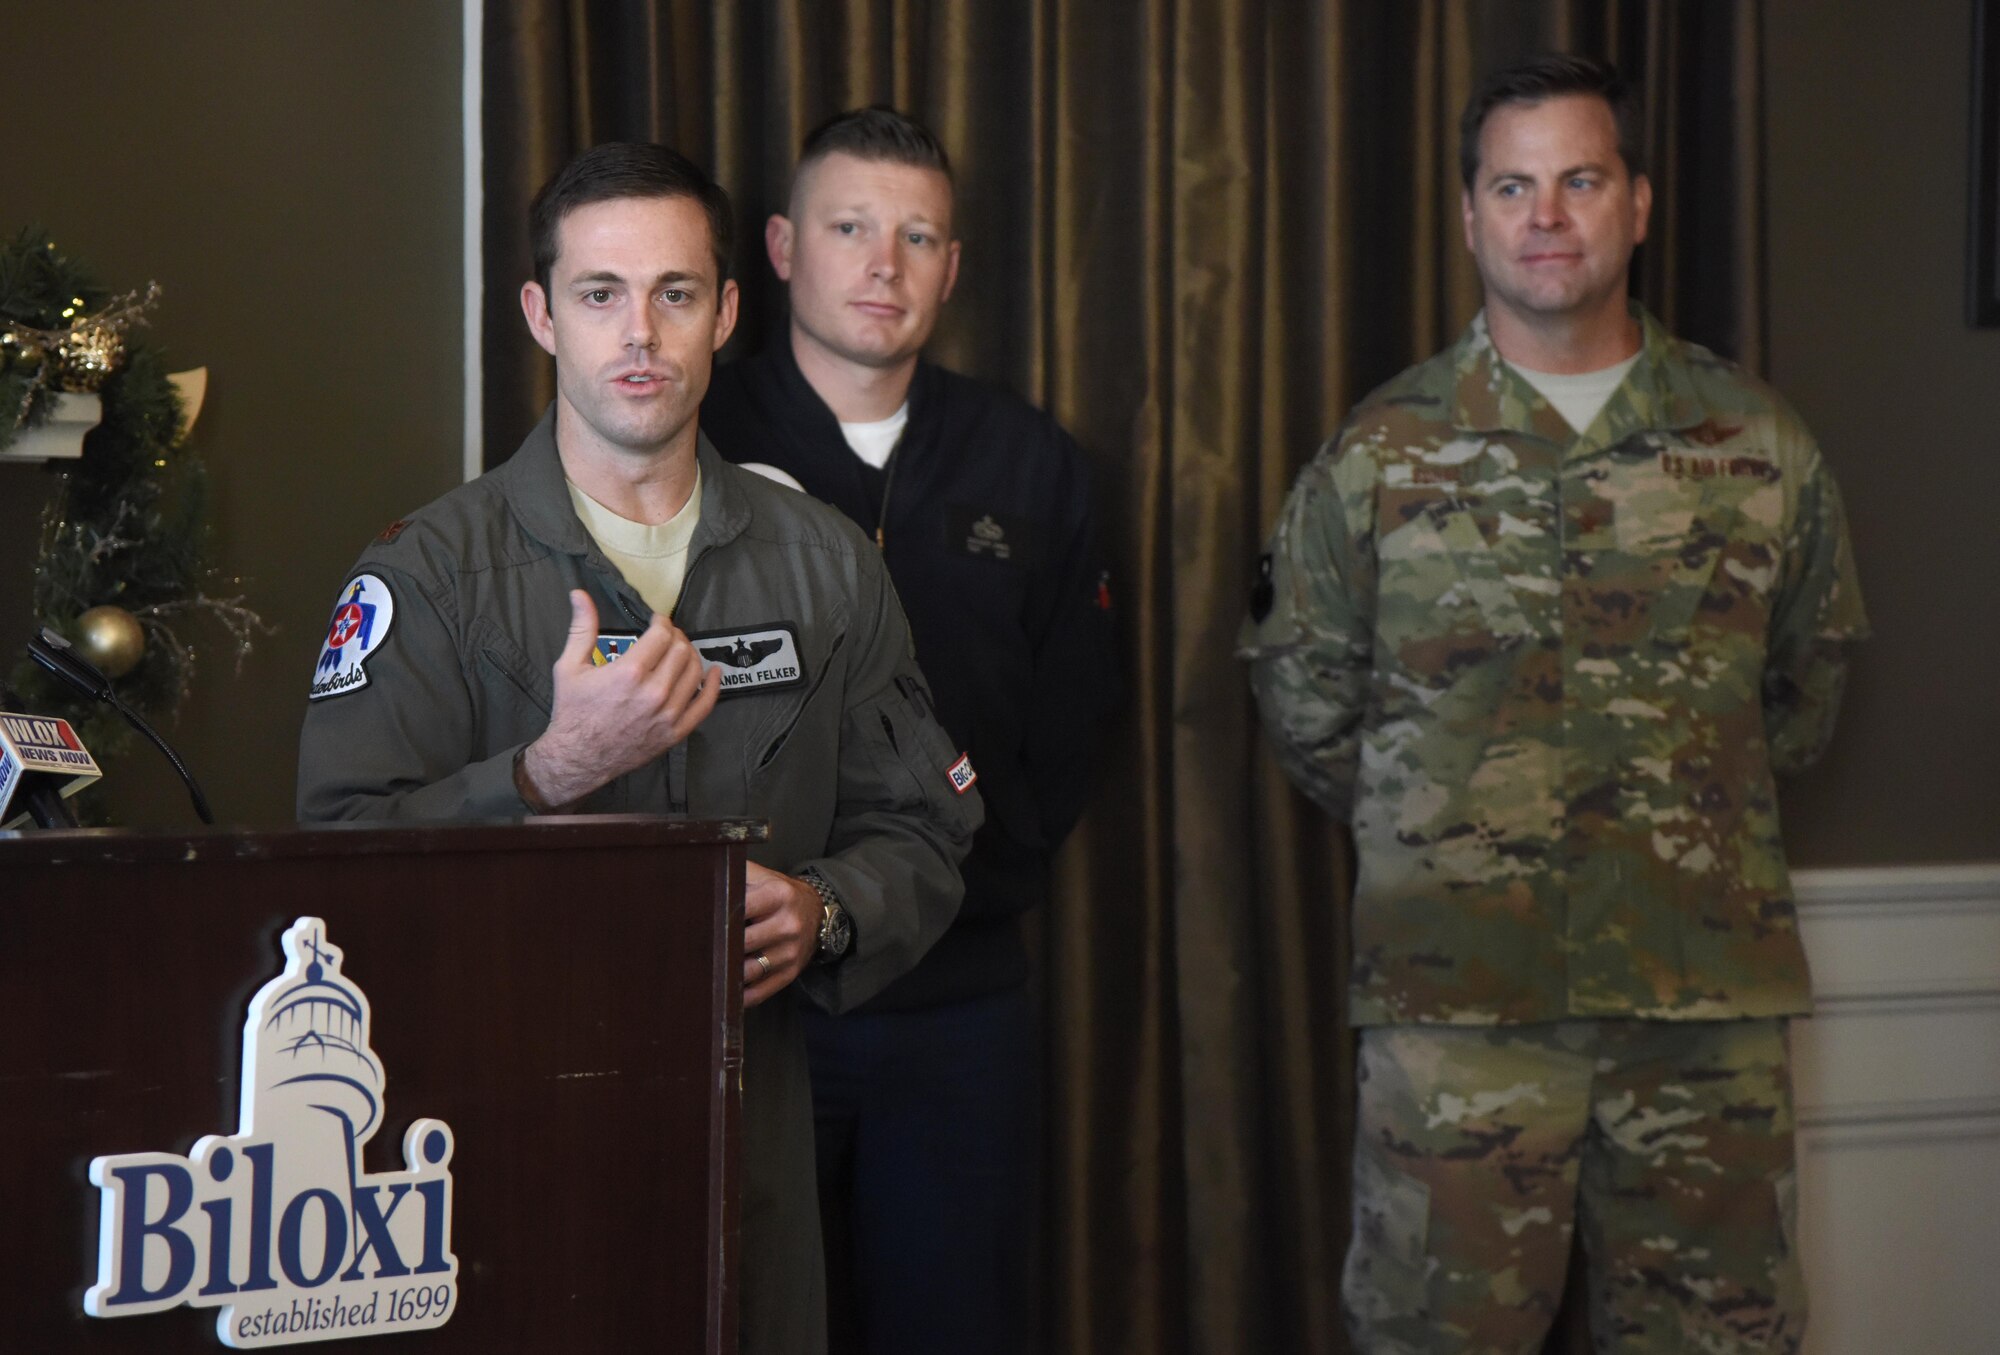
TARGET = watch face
(836,933)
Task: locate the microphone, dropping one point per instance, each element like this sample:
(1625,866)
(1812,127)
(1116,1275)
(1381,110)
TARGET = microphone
(60,658)
(42,760)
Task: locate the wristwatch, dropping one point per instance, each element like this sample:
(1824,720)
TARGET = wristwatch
(836,929)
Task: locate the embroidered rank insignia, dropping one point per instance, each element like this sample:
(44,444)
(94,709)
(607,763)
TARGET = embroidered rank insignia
(961,774)
(611,645)
(992,536)
(762,659)
(360,624)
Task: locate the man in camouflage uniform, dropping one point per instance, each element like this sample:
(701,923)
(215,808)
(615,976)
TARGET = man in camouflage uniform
(1542,622)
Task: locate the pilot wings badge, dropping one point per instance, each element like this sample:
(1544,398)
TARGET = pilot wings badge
(762,659)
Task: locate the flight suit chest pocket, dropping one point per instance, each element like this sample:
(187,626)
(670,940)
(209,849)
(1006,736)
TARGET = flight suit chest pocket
(515,695)
(789,717)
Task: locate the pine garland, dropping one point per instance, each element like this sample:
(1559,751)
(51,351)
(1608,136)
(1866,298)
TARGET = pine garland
(126,524)
(42,292)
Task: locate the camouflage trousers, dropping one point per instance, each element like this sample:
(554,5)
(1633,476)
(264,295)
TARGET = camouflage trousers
(1479,1149)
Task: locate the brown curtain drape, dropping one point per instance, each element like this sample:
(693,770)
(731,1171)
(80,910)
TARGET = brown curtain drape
(1197,231)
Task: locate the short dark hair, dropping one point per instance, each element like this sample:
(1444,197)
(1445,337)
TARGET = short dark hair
(625,169)
(1551,76)
(877,132)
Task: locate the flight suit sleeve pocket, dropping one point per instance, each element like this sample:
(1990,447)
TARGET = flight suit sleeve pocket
(916,760)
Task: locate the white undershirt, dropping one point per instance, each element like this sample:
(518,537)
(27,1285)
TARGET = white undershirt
(1578,396)
(873,442)
(651,556)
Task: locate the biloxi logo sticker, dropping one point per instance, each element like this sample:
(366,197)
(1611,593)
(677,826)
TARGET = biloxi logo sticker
(279,1225)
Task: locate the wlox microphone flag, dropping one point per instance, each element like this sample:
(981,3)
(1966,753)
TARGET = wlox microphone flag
(40,746)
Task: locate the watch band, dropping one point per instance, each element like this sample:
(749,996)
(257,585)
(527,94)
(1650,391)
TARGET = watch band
(836,928)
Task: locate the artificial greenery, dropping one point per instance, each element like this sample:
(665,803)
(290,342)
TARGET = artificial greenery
(42,293)
(126,523)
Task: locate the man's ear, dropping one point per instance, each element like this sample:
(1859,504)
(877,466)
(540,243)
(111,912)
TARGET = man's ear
(1465,214)
(778,245)
(725,314)
(535,306)
(950,272)
(1642,206)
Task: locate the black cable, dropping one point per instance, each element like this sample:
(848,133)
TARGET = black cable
(57,655)
(139,722)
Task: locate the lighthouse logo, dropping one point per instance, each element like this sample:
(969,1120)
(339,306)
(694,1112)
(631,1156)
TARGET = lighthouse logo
(278,1225)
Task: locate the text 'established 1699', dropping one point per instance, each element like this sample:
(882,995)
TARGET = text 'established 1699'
(278,1225)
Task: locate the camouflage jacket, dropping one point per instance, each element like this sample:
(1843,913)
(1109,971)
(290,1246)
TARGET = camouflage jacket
(1549,678)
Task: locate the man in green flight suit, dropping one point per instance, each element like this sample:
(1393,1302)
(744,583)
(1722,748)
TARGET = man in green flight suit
(763,668)
(1542,622)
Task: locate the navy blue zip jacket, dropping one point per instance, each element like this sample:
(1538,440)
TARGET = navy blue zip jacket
(983,516)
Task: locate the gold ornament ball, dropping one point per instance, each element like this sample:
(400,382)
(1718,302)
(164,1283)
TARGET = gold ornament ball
(89,355)
(111,638)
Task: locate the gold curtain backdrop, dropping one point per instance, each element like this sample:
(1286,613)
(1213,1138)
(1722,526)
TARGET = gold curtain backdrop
(1196,231)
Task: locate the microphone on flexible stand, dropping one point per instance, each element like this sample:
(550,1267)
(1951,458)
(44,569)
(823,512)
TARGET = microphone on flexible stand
(42,762)
(60,658)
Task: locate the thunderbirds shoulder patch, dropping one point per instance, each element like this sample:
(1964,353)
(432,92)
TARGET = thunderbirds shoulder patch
(360,624)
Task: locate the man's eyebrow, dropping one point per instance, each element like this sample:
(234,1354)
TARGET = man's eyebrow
(675,278)
(1523,176)
(862,207)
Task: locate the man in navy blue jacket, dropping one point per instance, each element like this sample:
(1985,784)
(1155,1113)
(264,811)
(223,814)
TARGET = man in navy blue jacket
(927,1099)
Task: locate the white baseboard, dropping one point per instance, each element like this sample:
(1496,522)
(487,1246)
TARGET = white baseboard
(1897,1081)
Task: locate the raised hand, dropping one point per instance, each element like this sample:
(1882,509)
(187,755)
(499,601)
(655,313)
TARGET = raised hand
(611,718)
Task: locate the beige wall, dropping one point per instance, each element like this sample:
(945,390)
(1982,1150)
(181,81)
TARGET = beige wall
(290,173)
(1867,112)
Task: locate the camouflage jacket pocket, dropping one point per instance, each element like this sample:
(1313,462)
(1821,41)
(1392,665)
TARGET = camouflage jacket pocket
(1445,601)
(1388,1268)
(1703,561)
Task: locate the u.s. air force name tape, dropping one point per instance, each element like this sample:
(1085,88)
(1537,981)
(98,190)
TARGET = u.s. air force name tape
(360,624)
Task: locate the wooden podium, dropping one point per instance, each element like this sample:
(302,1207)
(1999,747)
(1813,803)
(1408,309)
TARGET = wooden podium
(565,994)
